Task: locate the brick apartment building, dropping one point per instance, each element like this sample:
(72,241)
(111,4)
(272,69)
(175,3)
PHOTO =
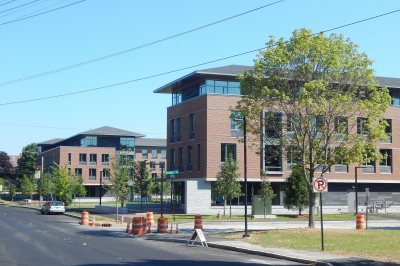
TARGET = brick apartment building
(88,154)
(200,135)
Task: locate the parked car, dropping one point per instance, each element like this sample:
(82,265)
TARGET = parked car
(53,207)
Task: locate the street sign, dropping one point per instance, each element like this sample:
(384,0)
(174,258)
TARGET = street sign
(37,174)
(198,234)
(172,172)
(320,184)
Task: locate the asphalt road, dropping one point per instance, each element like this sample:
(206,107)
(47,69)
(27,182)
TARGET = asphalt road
(28,238)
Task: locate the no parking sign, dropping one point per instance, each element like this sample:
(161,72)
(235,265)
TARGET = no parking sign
(320,184)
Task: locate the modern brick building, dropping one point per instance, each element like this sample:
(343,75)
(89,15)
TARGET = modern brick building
(201,133)
(88,154)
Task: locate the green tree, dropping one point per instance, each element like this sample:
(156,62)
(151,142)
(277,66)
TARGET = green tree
(28,186)
(45,185)
(265,193)
(77,187)
(312,91)
(27,162)
(143,183)
(227,184)
(122,171)
(6,169)
(296,192)
(62,183)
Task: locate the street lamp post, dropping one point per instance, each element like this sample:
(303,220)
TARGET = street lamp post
(101,185)
(245,178)
(162,189)
(356,185)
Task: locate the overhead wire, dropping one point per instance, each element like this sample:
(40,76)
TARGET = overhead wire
(24,8)
(8,2)
(94,60)
(187,67)
(41,13)
(19,6)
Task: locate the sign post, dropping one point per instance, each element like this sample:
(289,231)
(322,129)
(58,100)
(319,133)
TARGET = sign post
(320,185)
(198,233)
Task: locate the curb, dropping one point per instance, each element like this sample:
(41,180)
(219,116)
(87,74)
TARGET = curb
(244,250)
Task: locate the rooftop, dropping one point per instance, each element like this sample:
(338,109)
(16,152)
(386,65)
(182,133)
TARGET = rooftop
(234,70)
(149,142)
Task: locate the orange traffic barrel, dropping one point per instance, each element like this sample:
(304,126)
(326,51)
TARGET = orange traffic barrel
(85,218)
(128,227)
(360,221)
(198,221)
(162,226)
(150,218)
(137,225)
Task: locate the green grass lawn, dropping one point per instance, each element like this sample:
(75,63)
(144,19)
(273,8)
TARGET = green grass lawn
(382,245)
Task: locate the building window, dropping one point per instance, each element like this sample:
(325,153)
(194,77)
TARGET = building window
(127,142)
(78,171)
(144,153)
(105,159)
(192,133)
(162,165)
(318,123)
(272,158)
(89,141)
(176,98)
(292,123)
(189,158)
(395,98)
(220,87)
(293,157)
(105,174)
(273,125)
(385,165)
(198,157)
(362,126)
(171,159)
(92,173)
(180,159)
(154,154)
(93,159)
(341,125)
(163,153)
(82,158)
(228,148)
(69,158)
(152,165)
(172,130)
(235,119)
(369,166)
(388,131)
(178,127)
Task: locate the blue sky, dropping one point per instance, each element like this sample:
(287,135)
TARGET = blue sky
(95,28)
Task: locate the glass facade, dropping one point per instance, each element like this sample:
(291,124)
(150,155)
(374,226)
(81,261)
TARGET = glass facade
(89,141)
(127,142)
(209,86)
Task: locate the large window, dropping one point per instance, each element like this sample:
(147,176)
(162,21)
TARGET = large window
(78,171)
(93,159)
(144,153)
(172,130)
(69,158)
(273,125)
(180,159)
(171,159)
(105,174)
(386,162)
(198,157)
(388,131)
(105,159)
(362,126)
(235,119)
(154,154)
(163,153)
(293,157)
(127,142)
(220,87)
(395,97)
(228,148)
(92,173)
(82,158)
(192,133)
(152,165)
(189,158)
(89,141)
(341,125)
(273,158)
(178,128)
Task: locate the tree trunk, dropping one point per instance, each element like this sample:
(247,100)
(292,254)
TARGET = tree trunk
(224,206)
(311,196)
(265,210)
(230,209)
(299,210)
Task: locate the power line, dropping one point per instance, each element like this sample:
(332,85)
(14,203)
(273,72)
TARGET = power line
(41,13)
(187,67)
(22,9)
(136,47)
(19,6)
(8,2)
